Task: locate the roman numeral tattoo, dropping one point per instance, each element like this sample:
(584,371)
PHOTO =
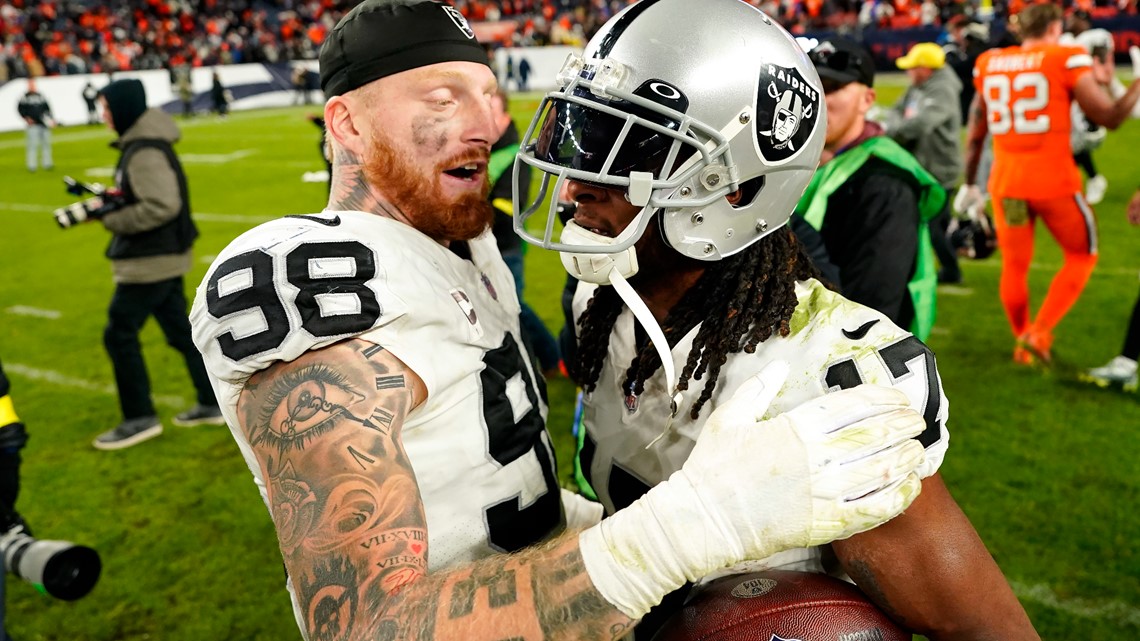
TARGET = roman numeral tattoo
(390,382)
(371,350)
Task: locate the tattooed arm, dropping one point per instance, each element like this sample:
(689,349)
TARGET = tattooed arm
(325,429)
(345,502)
(931,572)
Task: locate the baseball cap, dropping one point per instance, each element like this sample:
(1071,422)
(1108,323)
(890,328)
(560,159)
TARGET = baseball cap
(380,38)
(923,54)
(843,60)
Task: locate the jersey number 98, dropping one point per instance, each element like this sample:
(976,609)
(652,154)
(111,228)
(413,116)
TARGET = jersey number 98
(350,265)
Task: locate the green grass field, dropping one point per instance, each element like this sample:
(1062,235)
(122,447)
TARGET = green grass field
(1044,466)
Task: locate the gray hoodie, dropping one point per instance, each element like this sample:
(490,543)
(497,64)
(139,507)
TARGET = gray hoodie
(156,187)
(927,122)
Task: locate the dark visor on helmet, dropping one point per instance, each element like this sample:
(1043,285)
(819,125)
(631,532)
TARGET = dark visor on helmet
(580,137)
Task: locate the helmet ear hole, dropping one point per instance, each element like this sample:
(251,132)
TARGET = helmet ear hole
(744,197)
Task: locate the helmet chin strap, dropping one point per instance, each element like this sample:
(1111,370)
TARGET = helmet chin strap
(613,269)
(649,323)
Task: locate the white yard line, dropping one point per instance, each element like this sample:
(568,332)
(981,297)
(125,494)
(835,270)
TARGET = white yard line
(216,159)
(1115,611)
(77,133)
(24,310)
(63,380)
(232,218)
(954,290)
(12,208)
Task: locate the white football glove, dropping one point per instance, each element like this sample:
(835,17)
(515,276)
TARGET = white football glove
(1095,138)
(580,511)
(835,466)
(968,197)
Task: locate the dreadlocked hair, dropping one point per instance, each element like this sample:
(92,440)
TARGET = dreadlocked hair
(739,302)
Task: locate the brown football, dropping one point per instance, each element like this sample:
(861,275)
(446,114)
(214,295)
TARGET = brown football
(779,606)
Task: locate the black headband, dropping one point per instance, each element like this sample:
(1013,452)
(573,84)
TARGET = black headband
(383,37)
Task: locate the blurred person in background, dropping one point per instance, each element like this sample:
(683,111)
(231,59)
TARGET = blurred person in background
(927,123)
(36,112)
(1087,136)
(1024,100)
(148,214)
(185,90)
(220,96)
(968,39)
(90,96)
(870,200)
(1121,370)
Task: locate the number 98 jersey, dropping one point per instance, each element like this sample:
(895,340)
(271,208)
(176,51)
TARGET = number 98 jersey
(834,344)
(478,444)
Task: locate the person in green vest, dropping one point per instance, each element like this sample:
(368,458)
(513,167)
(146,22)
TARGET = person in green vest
(870,200)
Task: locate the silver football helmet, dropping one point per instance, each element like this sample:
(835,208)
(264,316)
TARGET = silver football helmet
(681,103)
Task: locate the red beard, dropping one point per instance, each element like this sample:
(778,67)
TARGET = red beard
(418,196)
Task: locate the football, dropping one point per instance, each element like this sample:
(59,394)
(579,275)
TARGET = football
(779,606)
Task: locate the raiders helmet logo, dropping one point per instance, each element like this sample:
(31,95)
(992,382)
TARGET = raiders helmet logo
(787,110)
(459,21)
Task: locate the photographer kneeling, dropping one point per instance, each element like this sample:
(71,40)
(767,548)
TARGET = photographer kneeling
(148,213)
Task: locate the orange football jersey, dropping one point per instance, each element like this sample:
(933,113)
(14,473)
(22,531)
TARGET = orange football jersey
(1027,94)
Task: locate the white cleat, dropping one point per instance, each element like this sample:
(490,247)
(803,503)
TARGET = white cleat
(1119,371)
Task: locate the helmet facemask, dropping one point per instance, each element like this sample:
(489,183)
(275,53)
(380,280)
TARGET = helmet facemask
(639,141)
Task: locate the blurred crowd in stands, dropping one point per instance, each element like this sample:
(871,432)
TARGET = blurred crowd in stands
(50,37)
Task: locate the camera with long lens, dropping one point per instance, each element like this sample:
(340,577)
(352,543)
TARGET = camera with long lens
(100,202)
(62,569)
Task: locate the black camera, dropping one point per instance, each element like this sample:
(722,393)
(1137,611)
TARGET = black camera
(63,569)
(76,188)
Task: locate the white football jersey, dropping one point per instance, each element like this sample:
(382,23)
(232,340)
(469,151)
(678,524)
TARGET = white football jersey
(834,344)
(478,444)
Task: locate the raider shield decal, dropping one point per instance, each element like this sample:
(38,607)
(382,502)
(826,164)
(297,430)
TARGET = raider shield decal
(787,110)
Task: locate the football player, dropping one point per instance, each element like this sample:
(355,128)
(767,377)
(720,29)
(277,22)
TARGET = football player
(1085,136)
(1122,370)
(1023,99)
(368,360)
(692,283)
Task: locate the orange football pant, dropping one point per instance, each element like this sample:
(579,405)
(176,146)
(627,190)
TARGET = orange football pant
(1071,222)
